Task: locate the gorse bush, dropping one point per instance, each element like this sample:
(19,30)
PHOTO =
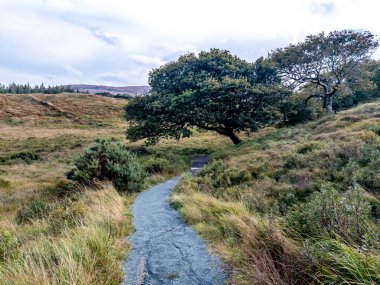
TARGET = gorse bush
(164,163)
(108,159)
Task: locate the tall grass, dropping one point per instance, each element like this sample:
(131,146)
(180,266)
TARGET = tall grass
(343,264)
(76,249)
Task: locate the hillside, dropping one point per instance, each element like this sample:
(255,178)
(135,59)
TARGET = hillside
(50,234)
(277,208)
(129,90)
(41,227)
(296,205)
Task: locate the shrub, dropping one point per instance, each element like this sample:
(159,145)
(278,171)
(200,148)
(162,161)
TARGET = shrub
(164,162)
(308,147)
(222,176)
(37,209)
(108,159)
(330,212)
(156,165)
(296,161)
(24,156)
(286,199)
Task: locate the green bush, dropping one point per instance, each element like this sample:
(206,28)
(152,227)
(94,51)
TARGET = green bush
(108,159)
(37,209)
(24,156)
(222,176)
(296,161)
(332,213)
(156,165)
(164,163)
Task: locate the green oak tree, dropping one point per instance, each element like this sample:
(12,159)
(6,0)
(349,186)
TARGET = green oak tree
(213,91)
(324,60)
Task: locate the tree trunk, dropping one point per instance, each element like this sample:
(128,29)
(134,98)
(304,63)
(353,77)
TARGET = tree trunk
(235,139)
(228,131)
(328,105)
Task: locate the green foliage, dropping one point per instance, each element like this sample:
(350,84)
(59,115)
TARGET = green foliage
(22,156)
(362,86)
(9,246)
(296,111)
(325,61)
(220,175)
(109,160)
(336,214)
(213,91)
(164,163)
(36,209)
(342,264)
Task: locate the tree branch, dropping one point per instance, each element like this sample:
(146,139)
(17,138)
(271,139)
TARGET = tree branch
(313,96)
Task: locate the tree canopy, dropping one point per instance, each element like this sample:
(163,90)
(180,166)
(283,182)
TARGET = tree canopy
(325,60)
(212,91)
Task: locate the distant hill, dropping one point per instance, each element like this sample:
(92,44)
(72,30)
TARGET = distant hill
(93,89)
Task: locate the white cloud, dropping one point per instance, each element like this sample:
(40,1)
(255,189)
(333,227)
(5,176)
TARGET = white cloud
(146,60)
(118,41)
(59,4)
(73,71)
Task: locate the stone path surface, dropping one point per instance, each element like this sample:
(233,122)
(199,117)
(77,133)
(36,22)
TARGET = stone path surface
(164,249)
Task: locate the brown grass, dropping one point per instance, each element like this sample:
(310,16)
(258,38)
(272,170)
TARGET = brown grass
(57,127)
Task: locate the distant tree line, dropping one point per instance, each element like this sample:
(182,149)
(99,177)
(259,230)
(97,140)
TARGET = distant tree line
(117,96)
(14,88)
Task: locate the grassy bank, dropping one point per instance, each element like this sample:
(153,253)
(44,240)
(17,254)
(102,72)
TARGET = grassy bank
(295,205)
(48,233)
(76,240)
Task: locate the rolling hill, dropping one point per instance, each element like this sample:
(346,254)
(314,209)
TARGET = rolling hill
(93,89)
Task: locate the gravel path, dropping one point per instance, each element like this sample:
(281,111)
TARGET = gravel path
(164,249)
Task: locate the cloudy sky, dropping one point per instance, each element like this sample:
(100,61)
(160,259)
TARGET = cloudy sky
(117,42)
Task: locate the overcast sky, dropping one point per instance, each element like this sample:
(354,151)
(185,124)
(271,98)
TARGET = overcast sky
(117,42)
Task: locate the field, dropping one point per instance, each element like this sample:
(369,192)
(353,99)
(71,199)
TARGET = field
(47,236)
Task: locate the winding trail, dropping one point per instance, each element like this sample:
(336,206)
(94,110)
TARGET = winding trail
(164,249)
